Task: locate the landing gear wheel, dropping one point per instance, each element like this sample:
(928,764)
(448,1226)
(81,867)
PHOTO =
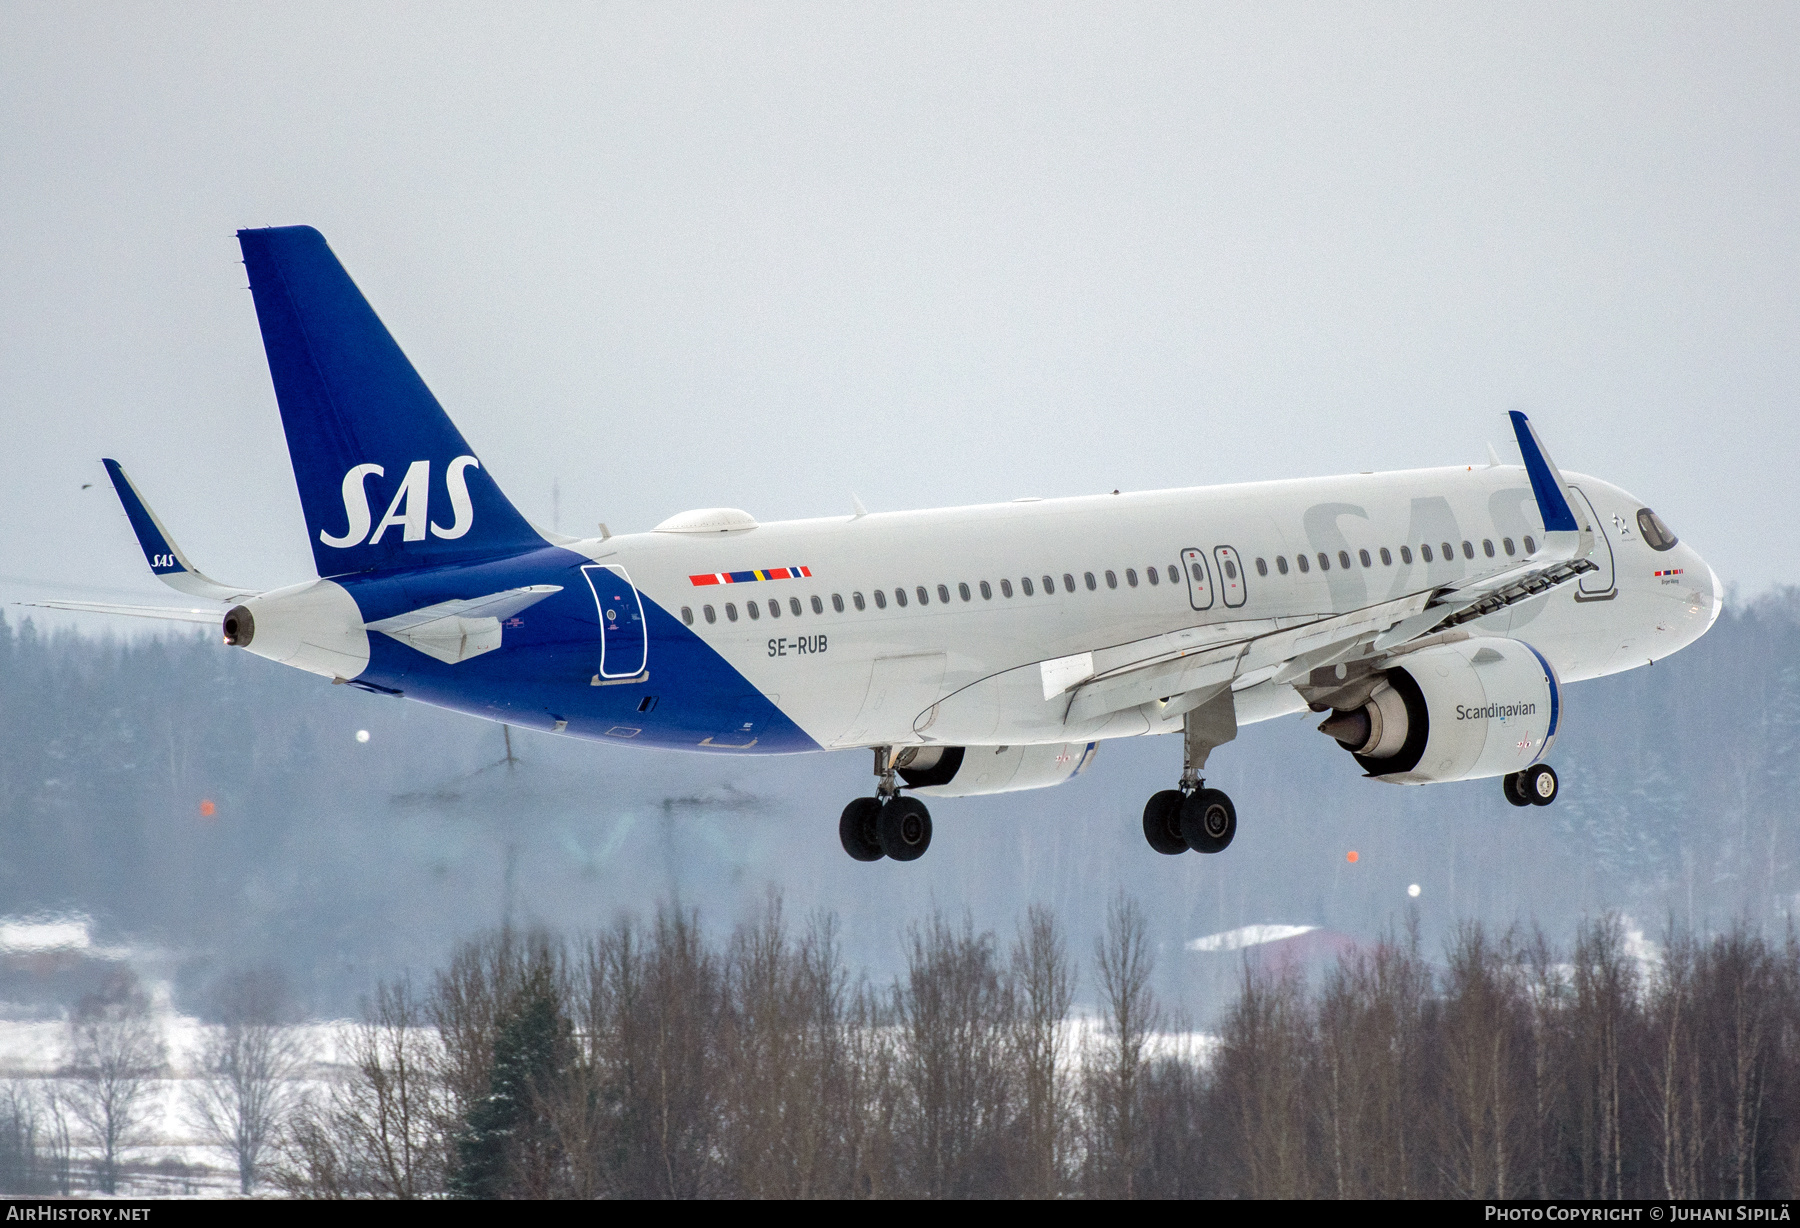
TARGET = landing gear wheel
(856,830)
(1513,785)
(1538,783)
(1162,822)
(1208,821)
(904,828)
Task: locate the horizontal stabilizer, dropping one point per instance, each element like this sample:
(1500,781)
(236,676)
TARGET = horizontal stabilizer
(454,631)
(209,617)
(167,562)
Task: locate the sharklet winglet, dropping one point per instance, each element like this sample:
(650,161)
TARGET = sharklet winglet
(1546,481)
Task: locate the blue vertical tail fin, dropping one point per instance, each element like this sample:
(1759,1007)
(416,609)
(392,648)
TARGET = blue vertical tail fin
(386,480)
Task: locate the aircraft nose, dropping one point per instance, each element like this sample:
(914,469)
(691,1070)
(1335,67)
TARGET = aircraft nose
(1716,591)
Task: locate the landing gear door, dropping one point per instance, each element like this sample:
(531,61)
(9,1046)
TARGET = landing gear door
(1598,585)
(624,640)
(1199,578)
(1231,576)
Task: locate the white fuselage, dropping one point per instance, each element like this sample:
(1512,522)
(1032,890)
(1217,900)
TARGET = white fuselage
(970,670)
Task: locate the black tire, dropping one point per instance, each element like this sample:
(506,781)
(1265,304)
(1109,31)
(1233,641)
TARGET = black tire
(904,828)
(1162,822)
(1539,783)
(1512,785)
(856,830)
(1208,821)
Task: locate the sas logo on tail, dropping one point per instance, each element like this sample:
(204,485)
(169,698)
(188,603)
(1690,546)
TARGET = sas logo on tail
(410,507)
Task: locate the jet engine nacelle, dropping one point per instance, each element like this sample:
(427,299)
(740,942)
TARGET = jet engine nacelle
(314,626)
(968,771)
(1481,707)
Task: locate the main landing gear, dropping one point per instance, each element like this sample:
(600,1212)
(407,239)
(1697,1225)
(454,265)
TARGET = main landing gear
(1535,786)
(1192,816)
(886,825)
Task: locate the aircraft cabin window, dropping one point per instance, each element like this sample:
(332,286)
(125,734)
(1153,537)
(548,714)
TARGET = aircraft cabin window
(687,615)
(1153,575)
(1506,544)
(1262,567)
(1093,585)
(944,593)
(1006,588)
(1300,561)
(1025,586)
(1530,546)
(794,606)
(987,594)
(1406,555)
(1468,550)
(818,606)
(774,608)
(730,611)
(1174,574)
(1344,559)
(880,599)
(1387,560)
(837,602)
(1449,552)
(1131,577)
(1324,561)
(1230,571)
(962,590)
(1112,581)
(1363,557)
(858,599)
(1656,533)
(1049,584)
(1281,563)
(711,617)
(924,595)
(1069,582)
(1487,546)
(753,610)
(900,597)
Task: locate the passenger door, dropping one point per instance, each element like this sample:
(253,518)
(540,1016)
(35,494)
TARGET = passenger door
(1599,585)
(624,638)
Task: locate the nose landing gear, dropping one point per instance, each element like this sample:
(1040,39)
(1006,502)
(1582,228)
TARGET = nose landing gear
(1193,816)
(886,825)
(1535,786)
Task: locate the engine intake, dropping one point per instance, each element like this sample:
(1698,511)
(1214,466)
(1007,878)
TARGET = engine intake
(1483,707)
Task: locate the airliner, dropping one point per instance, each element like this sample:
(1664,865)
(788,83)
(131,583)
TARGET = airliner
(1431,616)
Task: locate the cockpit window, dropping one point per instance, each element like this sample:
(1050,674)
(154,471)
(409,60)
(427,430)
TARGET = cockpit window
(1656,533)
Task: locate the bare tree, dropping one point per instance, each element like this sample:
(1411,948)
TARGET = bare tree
(245,1072)
(382,1130)
(1043,985)
(1122,964)
(116,1054)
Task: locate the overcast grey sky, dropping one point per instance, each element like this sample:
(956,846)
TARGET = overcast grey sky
(762,255)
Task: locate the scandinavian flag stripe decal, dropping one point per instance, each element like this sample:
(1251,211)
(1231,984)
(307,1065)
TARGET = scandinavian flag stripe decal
(751,577)
(1676,572)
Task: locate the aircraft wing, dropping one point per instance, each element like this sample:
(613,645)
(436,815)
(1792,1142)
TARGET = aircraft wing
(1186,668)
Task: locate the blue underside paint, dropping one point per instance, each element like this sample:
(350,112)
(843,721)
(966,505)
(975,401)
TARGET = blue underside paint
(544,670)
